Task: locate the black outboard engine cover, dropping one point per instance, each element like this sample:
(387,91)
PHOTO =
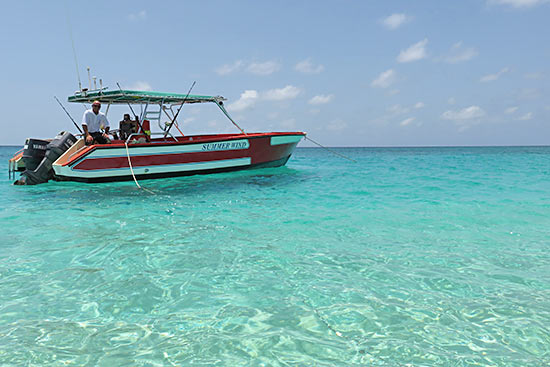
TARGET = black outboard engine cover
(34,152)
(59,145)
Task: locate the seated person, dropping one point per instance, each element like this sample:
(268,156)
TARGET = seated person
(92,123)
(127,127)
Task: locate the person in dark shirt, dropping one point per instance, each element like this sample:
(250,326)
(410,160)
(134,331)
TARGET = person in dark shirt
(127,127)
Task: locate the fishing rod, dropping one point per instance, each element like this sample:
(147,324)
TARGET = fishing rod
(170,117)
(131,109)
(75,124)
(179,109)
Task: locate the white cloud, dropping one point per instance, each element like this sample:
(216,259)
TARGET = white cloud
(134,17)
(336,125)
(281,94)
(529,94)
(493,77)
(189,120)
(397,109)
(535,76)
(414,53)
(273,115)
(395,21)
(385,79)
(527,116)
(459,53)
(307,67)
(407,121)
(140,86)
(248,99)
(321,99)
(263,68)
(519,3)
(289,123)
(468,113)
(511,110)
(229,68)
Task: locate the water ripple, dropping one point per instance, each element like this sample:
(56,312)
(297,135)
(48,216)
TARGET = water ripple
(411,257)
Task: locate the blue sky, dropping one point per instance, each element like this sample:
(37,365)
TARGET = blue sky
(350,73)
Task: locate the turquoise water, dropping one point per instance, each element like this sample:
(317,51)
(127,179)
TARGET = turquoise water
(409,257)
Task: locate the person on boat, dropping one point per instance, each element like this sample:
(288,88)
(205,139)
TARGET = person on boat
(92,121)
(127,126)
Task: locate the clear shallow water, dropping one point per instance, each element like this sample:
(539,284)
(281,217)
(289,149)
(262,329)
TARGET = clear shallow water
(421,256)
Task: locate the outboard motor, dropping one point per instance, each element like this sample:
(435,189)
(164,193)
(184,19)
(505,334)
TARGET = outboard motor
(43,172)
(34,152)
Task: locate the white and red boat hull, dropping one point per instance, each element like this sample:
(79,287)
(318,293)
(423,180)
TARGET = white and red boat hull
(189,155)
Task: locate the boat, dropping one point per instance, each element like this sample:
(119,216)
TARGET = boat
(137,153)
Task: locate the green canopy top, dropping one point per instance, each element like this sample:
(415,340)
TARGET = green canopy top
(135,96)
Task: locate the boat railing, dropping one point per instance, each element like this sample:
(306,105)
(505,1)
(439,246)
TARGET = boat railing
(152,134)
(12,163)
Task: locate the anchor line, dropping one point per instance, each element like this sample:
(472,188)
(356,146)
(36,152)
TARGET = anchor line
(353,340)
(132,171)
(330,150)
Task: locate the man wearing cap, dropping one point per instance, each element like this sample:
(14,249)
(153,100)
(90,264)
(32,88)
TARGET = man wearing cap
(92,121)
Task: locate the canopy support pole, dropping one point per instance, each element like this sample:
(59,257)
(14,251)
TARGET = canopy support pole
(171,117)
(220,105)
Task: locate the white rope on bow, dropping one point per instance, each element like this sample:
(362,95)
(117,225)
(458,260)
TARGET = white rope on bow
(132,170)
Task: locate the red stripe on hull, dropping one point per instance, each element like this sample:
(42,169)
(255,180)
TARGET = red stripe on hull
(156,160)
(260,151)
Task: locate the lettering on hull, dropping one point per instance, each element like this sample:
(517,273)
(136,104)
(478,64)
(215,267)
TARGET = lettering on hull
(226,145)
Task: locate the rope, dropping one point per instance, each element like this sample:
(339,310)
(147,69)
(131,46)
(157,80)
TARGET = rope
(330,150)
(132,170)
(355,341)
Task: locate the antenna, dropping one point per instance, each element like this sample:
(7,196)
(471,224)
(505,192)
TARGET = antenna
(89,78)
(74,52)
(95,84)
